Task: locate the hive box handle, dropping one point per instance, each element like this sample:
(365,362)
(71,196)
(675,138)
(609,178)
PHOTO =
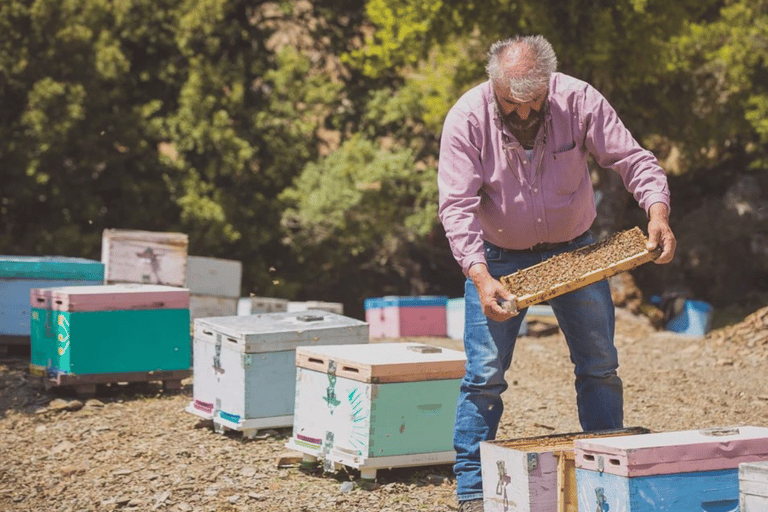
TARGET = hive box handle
(424,349)
(309,318)
(720,431)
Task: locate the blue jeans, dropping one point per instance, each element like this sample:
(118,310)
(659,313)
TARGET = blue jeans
(586,317)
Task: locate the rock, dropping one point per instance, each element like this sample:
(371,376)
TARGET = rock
(289,459)
(346,487)
(266,434)
(368,485)
(64,405)
(62,447)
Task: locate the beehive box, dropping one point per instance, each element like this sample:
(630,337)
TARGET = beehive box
(214,286)
(146,257)
(380,405)
(109,329)
(572,270)
(267,305)
(333,307)
(454,318)
(534,474)
(397,317)
(244,371)
(753,486)
(20,274)
(685,471)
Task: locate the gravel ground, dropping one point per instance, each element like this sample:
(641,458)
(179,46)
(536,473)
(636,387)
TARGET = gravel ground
(135,448)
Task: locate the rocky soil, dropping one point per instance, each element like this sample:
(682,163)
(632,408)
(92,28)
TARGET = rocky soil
(134,448)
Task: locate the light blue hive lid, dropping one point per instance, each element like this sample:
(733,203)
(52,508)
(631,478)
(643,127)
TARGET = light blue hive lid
(413,301)
(421,301)
(51,267)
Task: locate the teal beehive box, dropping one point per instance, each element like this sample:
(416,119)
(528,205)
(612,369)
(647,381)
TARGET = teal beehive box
(118,328)
(378,405)
(20,274)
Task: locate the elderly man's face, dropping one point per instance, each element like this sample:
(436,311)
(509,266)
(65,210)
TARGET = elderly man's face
(511,106)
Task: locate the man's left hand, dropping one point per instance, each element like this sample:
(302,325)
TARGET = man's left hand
(660,234)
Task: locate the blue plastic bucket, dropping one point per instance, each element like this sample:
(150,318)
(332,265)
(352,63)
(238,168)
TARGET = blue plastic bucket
(694,320)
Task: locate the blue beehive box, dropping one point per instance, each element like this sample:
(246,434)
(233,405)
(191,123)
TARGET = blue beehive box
(686,471)
(245,366)
(20,274)
(454,312)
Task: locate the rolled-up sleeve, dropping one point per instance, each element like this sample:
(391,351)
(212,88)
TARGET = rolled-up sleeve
(614,147)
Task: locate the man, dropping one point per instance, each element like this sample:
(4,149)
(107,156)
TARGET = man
(515,189)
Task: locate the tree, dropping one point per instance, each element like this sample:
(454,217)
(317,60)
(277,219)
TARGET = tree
(76,89)
(360,216)
(725,62)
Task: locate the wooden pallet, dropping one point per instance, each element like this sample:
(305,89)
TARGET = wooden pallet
(590,258)
(11,344)
(85,385)
(335,460)
(223,422)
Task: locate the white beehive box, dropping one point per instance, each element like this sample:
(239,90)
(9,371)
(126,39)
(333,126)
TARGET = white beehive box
(144,257)
(267,305)
(244,371)
(333,307)
(753,486)
(214,276)
(374,406)
(214,286)
(203,306)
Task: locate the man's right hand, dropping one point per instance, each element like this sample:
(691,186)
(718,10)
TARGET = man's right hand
(498,303)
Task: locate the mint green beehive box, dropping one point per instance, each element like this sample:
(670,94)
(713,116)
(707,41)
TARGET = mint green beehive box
(379,405)
(119,328)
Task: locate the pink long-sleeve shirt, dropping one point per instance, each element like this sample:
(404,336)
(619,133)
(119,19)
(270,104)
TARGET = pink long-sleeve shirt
(491,189)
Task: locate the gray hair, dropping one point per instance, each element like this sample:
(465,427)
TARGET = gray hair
(535,49)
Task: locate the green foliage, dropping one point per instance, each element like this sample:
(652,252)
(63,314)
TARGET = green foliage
(221,118)
(419,104)
(402,26)
(244,127)
(359,201)
(724,64)
(169,115)
(76,153)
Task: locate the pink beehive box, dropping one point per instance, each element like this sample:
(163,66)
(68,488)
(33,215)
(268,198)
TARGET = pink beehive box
(397,317)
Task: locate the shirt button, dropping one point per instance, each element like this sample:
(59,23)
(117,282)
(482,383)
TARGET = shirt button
(525,161)
(538,220)
(535,190)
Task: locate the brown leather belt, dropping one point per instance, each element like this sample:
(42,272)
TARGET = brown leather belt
(545,246)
